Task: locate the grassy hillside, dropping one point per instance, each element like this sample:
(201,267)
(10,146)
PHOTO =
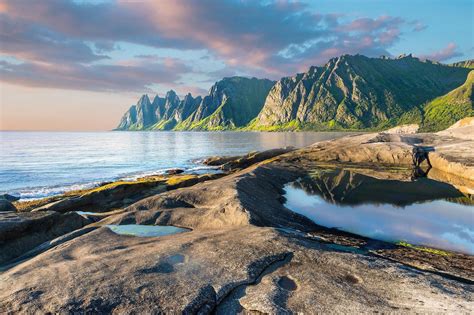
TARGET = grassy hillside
(445,110)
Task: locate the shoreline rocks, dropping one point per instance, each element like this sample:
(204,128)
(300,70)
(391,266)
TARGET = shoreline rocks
(246,251)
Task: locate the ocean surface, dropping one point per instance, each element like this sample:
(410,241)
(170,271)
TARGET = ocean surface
(40,164)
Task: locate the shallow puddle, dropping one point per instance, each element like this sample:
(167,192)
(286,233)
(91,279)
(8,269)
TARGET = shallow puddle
(145,230)
(287,284)
(423,212)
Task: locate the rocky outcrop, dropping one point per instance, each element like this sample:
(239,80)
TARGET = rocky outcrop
(10,198)
(21,232)
(245,251)
(231,103)
(234,163)
(120,194)
(188,272)
(358,92)
(162,113)
(6,205)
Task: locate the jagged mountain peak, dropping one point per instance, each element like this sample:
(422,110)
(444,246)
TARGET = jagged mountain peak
(355,91)
(144,99)
(348,92)
(171,94)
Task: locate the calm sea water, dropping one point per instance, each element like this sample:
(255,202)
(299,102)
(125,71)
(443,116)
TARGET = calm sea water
(39,164)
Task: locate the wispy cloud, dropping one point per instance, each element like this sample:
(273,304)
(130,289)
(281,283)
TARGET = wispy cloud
(69,44)
(130,76)
(448,52)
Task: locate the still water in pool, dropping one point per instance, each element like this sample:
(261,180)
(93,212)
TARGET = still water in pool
(424,212)
(145,230)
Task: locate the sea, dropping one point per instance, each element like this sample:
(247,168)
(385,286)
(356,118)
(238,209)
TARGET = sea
(35,165)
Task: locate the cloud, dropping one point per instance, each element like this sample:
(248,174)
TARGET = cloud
(266,39)
(131,76)
(418,26)
(450,51)
(33,42)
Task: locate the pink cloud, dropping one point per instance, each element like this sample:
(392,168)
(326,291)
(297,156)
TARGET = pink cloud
(448,52)
(269,39)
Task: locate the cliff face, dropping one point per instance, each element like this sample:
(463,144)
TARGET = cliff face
(349,92)
(358,92)
(232,102)
(146,115)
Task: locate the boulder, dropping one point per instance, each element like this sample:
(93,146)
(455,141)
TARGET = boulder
(174,171)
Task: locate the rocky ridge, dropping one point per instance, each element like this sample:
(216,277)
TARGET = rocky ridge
(348,93)
(231,103)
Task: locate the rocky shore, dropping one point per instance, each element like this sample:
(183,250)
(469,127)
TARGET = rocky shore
(244,251)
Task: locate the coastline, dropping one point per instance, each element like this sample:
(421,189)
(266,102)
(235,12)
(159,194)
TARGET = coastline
(242,236)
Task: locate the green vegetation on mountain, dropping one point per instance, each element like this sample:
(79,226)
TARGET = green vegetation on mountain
(348,93)
(231,103)
(464,64)
(357,92)
(445,110)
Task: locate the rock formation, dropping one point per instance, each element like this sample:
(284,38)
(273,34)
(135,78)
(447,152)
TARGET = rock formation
(349,92)
(356,92)
(245,251)
(231,103)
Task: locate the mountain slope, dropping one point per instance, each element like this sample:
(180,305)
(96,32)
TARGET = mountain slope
(231,103)
(348,93)
(161,114)
(464,64)
(139,116)
(356,92)
(445,110)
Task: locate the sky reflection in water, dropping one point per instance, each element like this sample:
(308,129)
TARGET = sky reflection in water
(436,223)
(145,230)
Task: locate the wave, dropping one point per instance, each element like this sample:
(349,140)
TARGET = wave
(33,193)
(49,191)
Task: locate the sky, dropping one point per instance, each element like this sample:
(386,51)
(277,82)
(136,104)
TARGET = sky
(80,64)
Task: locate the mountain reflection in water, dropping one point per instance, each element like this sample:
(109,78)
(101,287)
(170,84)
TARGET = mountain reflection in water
(423,212)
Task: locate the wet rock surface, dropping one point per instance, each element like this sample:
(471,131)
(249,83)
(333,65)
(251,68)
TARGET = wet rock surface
(246,252)
(234,163)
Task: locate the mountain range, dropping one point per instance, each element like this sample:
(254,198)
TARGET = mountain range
(350,92)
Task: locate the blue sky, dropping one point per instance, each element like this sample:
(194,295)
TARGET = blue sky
(107,51)
(446,21)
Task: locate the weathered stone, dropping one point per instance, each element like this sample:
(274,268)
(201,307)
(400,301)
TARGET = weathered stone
(233,163)
(174,171)
(246,250)
(21,232)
